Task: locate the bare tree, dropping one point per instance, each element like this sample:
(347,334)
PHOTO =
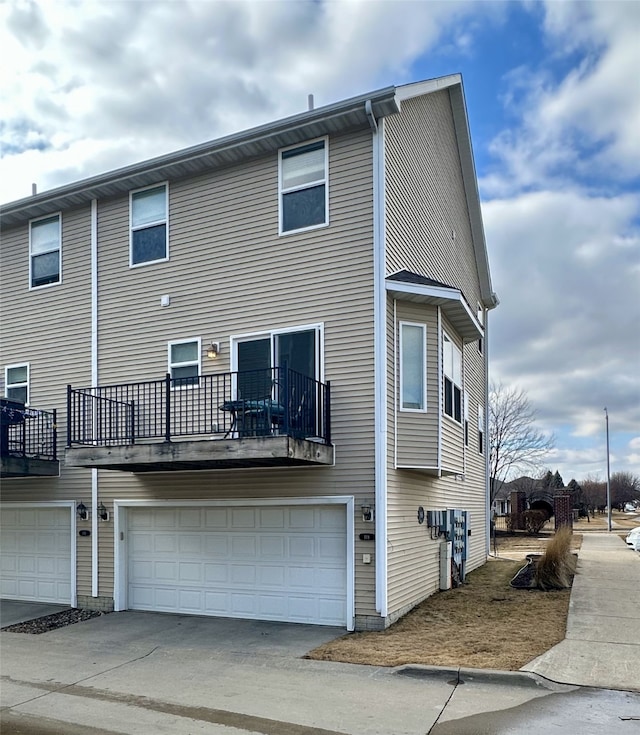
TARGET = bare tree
(514,441)
(594,491)
(625,488)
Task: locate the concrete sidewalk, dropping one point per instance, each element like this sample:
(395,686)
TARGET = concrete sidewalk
(602,644)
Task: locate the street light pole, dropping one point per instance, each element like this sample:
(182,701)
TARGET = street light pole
(606,415)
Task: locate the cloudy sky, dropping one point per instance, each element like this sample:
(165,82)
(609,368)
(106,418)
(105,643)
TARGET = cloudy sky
(553,97)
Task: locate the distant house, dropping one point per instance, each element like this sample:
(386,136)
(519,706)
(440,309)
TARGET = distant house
(265,358)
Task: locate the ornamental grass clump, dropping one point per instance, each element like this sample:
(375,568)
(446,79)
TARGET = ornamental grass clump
(554,569)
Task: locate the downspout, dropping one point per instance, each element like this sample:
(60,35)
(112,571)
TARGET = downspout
(94,382)
(440,392)
(373,123)
(487,447)
(380,363)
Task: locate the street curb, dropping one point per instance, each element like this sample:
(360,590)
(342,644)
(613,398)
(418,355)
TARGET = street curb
(461,675)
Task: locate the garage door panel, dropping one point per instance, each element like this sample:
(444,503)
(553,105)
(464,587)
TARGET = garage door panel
(244,546)
(275,563)
(272,576)
(243,518)
(165,543)
(301,546)
(272,517)
(215,573)
(140,541)
(272,546)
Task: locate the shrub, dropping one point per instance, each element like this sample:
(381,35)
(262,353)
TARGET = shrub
(514,521)
(534,520)
(555,567)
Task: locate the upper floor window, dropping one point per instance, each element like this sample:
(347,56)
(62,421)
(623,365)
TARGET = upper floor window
(481,322)
(45,240)
(481,429)
(413,385)
(149,225)
(303,187)
(16,382)
(184,362)
(452,369)
(465,406)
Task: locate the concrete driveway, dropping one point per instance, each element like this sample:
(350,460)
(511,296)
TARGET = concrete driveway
(18,611)
(150,630)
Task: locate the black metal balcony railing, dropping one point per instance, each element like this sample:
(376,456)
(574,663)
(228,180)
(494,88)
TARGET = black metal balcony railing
(27,433)
(234,405)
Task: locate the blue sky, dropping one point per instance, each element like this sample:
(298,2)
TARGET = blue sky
(553,98)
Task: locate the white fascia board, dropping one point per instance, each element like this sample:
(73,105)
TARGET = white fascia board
(437,294)
(417,89)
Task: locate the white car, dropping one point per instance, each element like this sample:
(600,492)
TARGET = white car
(632,536)
(635,542)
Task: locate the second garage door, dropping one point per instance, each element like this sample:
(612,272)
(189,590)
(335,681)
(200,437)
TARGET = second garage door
(283,563)
(35,553)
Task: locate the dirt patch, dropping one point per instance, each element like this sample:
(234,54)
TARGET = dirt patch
(51,622)
(485,623)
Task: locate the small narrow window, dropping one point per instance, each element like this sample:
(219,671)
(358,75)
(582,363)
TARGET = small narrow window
(149,225)
(184,363)
(452,369)
(44,252)
(466,418)
(481,321)
(303,187)
(16,382)
(480,429)
(413,393)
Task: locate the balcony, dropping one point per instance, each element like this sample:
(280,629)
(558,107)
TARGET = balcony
(27,441)
(254,418)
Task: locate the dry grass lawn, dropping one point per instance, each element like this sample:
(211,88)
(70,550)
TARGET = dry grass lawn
(485,623)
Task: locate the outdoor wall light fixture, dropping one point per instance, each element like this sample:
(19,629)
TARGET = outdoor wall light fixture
(103,513)
(213,350)
(367,513)
(83,513)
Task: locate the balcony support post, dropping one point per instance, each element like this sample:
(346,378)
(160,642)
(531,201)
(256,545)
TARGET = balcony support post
(167,407)
(69,416)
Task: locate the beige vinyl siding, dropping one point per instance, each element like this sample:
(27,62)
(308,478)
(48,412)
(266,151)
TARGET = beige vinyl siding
(424,177)
(413,556)
(50,328)
(230,273)
(416,434)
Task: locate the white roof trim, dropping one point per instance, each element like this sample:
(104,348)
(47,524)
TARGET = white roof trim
(450,300)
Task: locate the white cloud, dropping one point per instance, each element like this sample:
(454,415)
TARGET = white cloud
(584,123)
(567,325)
(95,85)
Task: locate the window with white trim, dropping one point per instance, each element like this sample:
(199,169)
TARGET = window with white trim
(45,248)
(480,429)
(481,321)
(184,362)
(466,418)
(149,225)
(16,382)
(303,186)
(413,361)
(452,370)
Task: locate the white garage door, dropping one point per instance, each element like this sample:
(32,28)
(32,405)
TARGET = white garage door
(265,563)
(35,549)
